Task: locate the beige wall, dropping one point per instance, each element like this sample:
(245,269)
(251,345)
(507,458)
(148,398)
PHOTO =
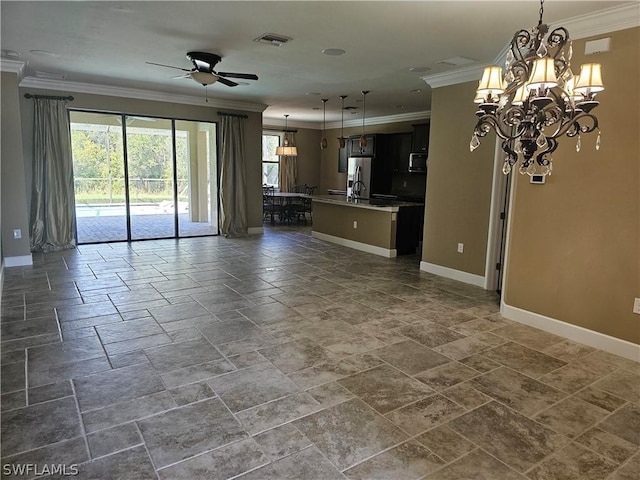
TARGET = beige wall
(375,227)
(458,183)
(329,176)
(574,252)
(14,194)
(253,132)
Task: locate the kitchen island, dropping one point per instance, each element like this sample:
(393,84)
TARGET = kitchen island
(383,227)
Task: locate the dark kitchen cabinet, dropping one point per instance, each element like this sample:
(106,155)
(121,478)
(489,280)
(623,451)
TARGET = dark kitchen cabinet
(420,138)
(401,145)
(356,151)
(343,157)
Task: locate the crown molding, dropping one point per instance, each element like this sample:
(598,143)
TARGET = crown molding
(461,75)
(97,89)
(13,66)
(602,21)
(401,117)
(581,26)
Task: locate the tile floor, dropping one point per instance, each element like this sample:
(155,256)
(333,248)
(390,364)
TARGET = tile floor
(284,357)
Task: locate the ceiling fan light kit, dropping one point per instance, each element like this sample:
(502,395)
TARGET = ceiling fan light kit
(537,100)
(203,70)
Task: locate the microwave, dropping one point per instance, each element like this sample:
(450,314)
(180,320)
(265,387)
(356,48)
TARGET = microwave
(417,163)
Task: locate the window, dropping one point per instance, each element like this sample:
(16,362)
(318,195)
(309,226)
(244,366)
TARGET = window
(270,161)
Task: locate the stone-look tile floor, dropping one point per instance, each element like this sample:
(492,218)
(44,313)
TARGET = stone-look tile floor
(284,357)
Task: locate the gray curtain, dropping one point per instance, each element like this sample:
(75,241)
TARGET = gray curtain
(53,220)
(288,168)
(233,195)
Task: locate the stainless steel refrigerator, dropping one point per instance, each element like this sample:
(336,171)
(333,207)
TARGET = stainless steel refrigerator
(359,170)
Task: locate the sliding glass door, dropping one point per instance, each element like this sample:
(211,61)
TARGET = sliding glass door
(142,178)
(151,177)
(197,178)
(99,180)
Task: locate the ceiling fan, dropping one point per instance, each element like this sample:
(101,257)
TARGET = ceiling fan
(203,72)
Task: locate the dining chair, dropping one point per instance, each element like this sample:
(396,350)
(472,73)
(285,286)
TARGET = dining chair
(270,206)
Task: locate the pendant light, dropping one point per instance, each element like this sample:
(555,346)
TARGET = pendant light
(363,139)
(286,150)
(342,141)
(323,141)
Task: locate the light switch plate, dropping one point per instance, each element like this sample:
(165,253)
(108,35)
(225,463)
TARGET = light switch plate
(17,233)
(636,306)
(461,248)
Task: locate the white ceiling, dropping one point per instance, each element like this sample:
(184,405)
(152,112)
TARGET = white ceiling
(107,43)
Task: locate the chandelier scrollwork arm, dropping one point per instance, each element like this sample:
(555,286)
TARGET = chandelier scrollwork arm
(538,99)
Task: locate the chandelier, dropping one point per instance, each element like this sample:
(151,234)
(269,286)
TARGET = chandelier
(538,99)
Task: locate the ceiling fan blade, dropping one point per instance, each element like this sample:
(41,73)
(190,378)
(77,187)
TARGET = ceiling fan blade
(169,66)
(226,82)
(246,76)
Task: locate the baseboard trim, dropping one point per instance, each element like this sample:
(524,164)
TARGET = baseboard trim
(18,261)
(255,230)
(447,272)
(576,333)
(363,247)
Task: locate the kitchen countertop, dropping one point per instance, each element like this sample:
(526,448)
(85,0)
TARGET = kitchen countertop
(374,204)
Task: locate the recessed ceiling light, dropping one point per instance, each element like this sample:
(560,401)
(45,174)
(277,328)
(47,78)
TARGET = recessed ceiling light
(400,106)
(419,69)
(415,90)
(333,51)
(43,53)
(315,108)
(312,93)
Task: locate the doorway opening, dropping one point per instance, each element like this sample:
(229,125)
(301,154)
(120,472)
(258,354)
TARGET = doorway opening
(140,178)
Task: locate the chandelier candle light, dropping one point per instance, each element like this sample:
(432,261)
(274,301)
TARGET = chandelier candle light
(537,100)
(286,150)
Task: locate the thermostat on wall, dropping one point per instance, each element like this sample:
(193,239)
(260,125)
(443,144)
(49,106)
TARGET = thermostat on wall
(538,179)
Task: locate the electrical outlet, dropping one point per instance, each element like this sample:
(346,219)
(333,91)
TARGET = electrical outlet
(636,306)
(461,248)
(355,224)
(17,233)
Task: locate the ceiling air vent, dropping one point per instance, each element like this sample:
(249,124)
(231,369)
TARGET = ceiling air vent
(272,39)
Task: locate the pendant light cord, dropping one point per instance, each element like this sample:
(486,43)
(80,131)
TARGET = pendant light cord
(541,12)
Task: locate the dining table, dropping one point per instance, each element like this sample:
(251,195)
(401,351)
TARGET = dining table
(287,200)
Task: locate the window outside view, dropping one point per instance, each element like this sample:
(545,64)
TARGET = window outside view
(270,161)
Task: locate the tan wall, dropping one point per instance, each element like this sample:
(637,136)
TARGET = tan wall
(253,132)
(574,253)
(374,226)
(329,176)
(14,194)
(458,183)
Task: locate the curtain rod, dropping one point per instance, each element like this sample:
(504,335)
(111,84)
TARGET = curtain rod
(49,97)
(238,115)
(275,129)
